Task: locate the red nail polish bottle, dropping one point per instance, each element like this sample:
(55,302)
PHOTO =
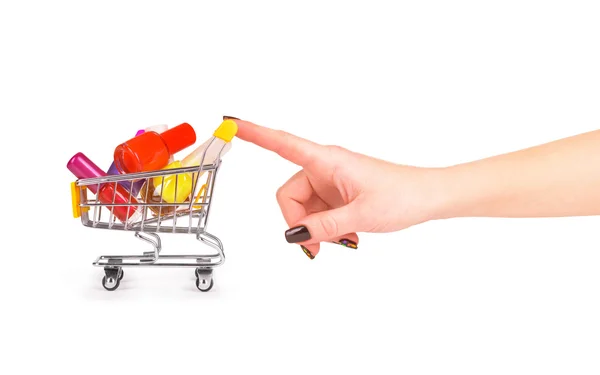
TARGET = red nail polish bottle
(151,151)
(82,167)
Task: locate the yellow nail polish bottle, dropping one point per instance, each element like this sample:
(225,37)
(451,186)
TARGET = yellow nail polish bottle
(178,188)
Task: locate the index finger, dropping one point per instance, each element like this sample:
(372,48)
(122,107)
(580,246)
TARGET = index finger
(298,150)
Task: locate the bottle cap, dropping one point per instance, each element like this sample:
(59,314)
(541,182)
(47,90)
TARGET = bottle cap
(226,131)
(82,167)
(179,137)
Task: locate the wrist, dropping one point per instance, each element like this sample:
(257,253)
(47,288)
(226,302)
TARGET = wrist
(452,193)
(474,189)
(433,193)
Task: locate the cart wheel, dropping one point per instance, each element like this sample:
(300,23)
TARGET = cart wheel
(198,272)
(110,283)
(122,273)
(201,284)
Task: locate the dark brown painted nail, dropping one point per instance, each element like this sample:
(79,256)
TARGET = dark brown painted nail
(230,118)
(297,234)
(307,252)
(347,243)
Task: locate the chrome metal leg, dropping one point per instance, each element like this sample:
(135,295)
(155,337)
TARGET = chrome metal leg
(156,244)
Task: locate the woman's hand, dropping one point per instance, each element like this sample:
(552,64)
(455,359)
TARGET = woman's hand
(338,193)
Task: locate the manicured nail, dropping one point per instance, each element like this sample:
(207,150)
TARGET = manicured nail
(230,118)
(346,242)
(297,234)
(307,252)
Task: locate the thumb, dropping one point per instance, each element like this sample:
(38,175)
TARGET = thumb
(324,226)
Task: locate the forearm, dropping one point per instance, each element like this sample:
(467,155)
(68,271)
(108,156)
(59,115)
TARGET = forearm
(560,178)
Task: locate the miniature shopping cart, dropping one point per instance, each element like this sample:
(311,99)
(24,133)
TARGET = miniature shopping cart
(147,215)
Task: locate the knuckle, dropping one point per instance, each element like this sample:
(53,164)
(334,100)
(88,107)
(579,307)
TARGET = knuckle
(284,147)
(335,149)
(283,139)
(336,154)
(282,135)
(280,194)
(329,226)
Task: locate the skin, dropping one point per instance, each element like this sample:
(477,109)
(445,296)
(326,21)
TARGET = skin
(339,193)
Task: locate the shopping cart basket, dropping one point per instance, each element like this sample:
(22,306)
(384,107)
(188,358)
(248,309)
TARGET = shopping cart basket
(146,216)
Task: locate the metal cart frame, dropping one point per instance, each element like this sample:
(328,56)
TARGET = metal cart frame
(190,217)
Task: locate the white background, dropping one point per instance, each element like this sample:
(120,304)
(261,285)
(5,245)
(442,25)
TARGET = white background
(428,83)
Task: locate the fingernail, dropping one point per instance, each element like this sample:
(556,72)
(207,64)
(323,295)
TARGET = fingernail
(348,243)
(230,118)
(307,252)
(297,234)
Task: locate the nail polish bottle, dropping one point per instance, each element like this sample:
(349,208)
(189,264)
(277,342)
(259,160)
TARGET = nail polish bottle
(164,188)
(156,128)
(151,151)
(82,167)
(136,186)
